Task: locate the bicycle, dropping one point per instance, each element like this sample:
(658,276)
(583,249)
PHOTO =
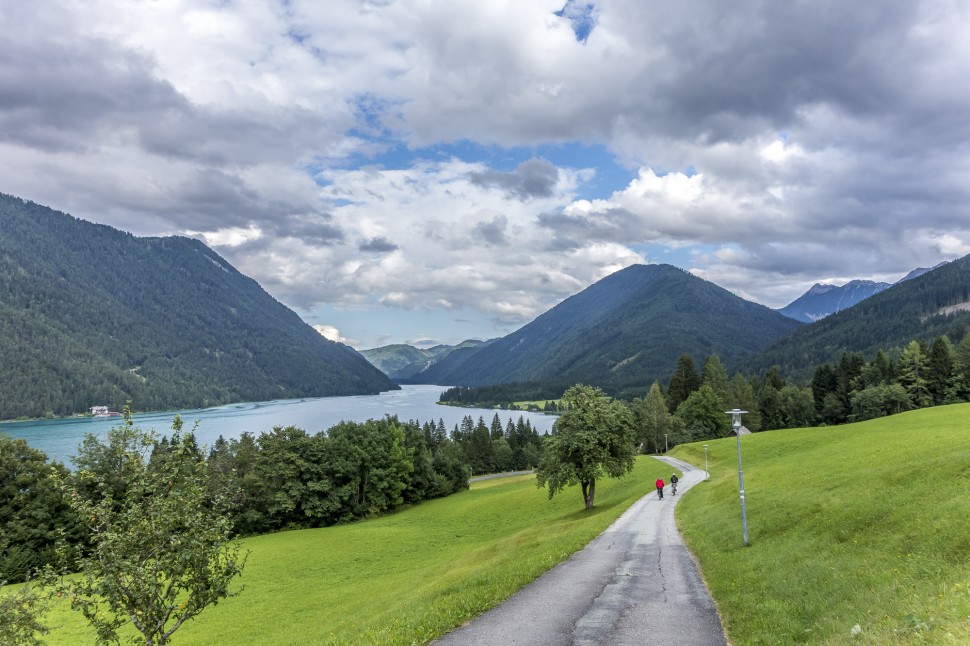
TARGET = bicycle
(673,488)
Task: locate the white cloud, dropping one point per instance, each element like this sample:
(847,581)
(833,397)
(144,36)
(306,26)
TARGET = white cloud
(332,333)
(229,237)
(783,143)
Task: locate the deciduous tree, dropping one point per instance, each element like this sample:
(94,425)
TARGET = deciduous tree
(161,550)
(33,513)
(703,415)
(20,616)
(594,438)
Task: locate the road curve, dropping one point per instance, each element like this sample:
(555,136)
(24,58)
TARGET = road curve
(633,584)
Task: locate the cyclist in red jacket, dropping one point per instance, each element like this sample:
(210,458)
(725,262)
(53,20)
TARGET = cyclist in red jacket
(660,488)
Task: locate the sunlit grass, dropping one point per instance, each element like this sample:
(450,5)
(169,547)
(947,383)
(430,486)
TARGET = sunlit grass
(865,524)
(405,578)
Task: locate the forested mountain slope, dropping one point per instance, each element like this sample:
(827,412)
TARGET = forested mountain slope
(932,304)
(90,315)
(401,361)
(624,332)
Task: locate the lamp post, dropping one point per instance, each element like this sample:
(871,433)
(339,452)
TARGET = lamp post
(707,474)
(736,421)
(665,443)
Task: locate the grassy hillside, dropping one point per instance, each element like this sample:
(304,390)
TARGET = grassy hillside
(865,524)
(404,578)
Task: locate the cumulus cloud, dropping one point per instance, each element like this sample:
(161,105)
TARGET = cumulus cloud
(532,178)
(780,144)
(332,333)
(378,245)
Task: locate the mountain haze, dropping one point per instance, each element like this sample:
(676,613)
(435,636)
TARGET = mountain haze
(622,333)
(401,361)
(91,315)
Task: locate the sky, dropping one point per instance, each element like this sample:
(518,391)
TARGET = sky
(429,171)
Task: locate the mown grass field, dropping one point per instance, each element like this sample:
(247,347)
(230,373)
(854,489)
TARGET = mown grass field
(404,578)
(865,524)
(536,403)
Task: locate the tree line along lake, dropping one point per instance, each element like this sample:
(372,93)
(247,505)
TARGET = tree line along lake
(59,438)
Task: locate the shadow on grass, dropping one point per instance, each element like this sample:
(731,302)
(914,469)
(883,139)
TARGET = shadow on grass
(598,509)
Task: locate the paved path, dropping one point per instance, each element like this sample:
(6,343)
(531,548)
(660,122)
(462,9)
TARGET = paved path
(634,584)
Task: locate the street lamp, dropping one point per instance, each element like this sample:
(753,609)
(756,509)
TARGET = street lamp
(665,443)
(707,474)
(736,421)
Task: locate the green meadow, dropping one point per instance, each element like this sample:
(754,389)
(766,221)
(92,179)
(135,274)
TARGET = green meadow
(858,533)
(403,578)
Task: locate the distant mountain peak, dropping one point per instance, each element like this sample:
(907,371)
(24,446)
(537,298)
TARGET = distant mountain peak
(822,299)
(620,333)
(820,288)
(919,271)
(934,305)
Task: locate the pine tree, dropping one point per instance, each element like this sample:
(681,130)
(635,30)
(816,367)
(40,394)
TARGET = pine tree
(651,420)
(715,376)
(683,382)
(912,375)
(939,368)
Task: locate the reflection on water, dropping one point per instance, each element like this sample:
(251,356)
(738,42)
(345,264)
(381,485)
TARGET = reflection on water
(60,438)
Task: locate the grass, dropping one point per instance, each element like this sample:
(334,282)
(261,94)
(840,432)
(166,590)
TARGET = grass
(535,403)
(862,525)
(404,578)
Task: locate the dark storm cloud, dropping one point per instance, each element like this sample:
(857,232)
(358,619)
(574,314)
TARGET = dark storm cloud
(378,245)
(532,178)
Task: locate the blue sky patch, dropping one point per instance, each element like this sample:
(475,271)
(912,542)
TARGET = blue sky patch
(581,17)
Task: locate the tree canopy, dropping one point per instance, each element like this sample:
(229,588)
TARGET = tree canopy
(594,438)
(161,550)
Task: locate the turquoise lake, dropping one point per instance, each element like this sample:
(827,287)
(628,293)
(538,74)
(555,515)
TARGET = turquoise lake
(60,438)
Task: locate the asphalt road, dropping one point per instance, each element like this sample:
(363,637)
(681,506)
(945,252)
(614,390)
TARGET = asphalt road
(634,584)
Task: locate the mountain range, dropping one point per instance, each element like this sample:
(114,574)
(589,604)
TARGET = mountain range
(401,361)
(620,333)
(822,299)
(90,315)
(629,329)
(932,304)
